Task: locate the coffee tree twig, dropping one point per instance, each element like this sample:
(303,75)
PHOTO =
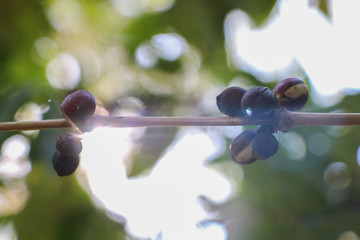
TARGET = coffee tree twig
(282,121)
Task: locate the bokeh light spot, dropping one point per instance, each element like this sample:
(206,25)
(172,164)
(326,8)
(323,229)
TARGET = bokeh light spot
(64,72)
(294,145)
(65,15)
(358,156)
(319,144)
(337,175)
(349,235)
(14,160)
(16,146)
(248,112)
(30,112)
(46,47)
(145,55)
(13,198)
(136,7)
(168,46)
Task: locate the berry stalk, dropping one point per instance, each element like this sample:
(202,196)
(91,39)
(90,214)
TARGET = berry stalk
(284,120)
(34,125)
(118,121)
(324,119)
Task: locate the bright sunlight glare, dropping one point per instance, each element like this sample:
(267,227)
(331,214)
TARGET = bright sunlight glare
(165,202)
(328,51)
(14,160)
(64,72)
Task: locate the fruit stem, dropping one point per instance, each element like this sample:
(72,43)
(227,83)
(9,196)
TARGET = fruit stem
(34,125)
(117,121)
(324,119)
(284,121)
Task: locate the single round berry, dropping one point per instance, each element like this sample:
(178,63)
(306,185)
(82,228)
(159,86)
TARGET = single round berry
(241,147)
(291,93)
(69,144)
(229,101)
(79,107)
(64,165)
(264,145)
(258,102)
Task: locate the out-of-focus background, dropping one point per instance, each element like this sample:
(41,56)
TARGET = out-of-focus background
(172,58)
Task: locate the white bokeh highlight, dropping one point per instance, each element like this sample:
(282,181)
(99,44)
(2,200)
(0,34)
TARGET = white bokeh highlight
(328,51)
(14,161)
(64,72)
(166,201)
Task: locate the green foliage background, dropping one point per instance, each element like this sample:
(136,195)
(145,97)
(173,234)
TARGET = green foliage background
(289,198)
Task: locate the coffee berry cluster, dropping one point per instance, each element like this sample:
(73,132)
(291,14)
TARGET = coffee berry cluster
(260,103)
(78,108)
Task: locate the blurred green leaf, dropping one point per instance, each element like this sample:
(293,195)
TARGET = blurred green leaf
(324,7)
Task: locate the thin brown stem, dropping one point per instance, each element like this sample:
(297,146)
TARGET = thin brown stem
(284,120)
(117,121)
(324,119)
(34,125)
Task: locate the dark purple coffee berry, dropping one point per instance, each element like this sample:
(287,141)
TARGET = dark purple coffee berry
(79,107)
(258,102)
(264,145)
(229,101)
(64,165)
(291,93)
(241,147)
(69,144)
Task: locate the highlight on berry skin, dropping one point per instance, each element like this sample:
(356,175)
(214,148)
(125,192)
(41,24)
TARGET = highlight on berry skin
(248,112)
(258,102)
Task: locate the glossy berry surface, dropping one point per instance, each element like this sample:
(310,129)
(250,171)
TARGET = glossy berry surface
(69,144)
(64,165)
(79,106)
(264,145)
(241,147)
(258,102)
(229,101)
(291,93)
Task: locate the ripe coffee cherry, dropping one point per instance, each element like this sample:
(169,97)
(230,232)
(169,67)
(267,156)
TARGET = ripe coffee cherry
(69,144)
(79,107)
(291,93)
(241,147)
(258,102)
(229,101)
(64,165)
(264,145)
